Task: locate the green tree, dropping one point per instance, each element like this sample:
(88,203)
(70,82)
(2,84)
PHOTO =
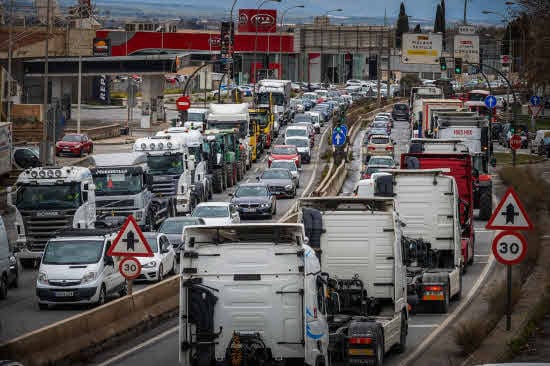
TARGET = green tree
(402,25)
(437,23)
(417,29)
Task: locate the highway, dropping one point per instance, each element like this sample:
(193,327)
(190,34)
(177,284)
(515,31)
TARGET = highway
(20,313)
(160,345)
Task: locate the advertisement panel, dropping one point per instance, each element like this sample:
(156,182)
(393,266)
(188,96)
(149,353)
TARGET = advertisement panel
(258,20)
(421,48)
(467,48)
(102,47)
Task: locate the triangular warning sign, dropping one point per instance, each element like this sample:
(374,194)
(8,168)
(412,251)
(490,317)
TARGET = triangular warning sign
(509,214)
(130,241)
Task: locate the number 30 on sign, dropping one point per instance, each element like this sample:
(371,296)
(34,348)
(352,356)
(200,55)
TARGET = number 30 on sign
(509,247)
(130,268)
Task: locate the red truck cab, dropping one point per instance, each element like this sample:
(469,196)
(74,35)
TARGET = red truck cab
(460,166)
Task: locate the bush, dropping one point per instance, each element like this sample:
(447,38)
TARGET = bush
(470,334)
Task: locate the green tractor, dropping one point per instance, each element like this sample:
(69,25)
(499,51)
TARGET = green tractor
(224,157)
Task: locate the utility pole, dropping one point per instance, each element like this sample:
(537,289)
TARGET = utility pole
(465,9)
(10,56)
(45,154)
(379,53)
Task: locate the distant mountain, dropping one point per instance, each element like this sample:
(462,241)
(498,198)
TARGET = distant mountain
(418,9)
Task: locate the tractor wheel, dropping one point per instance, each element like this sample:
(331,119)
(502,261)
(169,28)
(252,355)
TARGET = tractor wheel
(485,204)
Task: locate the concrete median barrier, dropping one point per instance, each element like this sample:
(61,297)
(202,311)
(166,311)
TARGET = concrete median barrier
(64,342)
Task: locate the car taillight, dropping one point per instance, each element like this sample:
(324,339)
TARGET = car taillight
(389,148)
(371,148)
(433,288)
(360,340)
(366,176)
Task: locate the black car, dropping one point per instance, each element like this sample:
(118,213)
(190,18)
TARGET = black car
(400,112)
(172,227)
(254,200)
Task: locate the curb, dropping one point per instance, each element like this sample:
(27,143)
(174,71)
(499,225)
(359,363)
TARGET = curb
(125,142)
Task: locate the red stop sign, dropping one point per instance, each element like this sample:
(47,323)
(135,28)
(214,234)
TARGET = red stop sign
(515,142)
(183,103)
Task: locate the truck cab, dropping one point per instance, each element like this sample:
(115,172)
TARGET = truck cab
(121,189)
(176,169)
(47,199)
(253,293)
(196,119)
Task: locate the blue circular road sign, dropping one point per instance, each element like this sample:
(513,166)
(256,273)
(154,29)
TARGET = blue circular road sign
(344,129)
(535,100)
(490,101)
(338,138)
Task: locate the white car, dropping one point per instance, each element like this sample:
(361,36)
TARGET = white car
(163,261)
(217,213)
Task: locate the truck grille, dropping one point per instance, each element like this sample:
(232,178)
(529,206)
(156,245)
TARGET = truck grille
(167,187)
(114,204)
(39,229)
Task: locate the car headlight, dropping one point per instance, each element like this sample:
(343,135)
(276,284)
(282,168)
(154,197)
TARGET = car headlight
(264,205)
(42,278)
(88,277)
(288,187)
(151,264)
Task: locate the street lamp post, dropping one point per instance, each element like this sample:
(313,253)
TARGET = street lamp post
(231,76)
(325,15)
(281,37)
(256,38)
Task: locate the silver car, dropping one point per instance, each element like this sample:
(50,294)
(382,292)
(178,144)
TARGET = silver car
(172,227)
(279,181)
(290,165)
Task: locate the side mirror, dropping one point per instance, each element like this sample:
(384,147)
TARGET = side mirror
(231,194)
(109,261)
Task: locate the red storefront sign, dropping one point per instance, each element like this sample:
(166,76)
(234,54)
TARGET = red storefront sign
(258,20)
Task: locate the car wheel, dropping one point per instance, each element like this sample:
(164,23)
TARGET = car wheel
(102,296)
(3,288)
(42,306)
(91,149)
(160,275)
(173,269)
(124,290)
(15,282)
(81,152)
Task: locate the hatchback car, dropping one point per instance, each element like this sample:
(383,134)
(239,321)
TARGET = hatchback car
(279,181)
(290,165)
(26,157)
(74,144)
(217,213)
(254,200)
(173,227)
(386,161)
(284,152)
(378,145)
(163,261)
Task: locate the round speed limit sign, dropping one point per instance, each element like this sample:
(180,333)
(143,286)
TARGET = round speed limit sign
(509,247)
(130,268)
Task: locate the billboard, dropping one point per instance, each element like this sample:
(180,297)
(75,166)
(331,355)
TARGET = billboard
(467,48)
(102,47)
(421,48)
(258,20)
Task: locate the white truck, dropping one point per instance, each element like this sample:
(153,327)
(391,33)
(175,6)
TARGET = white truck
(361,251)
(121,186)
(427,123)
(48,199)
(469,127)
(251,294)
(275,94)
(232,116)
(415,104)
(176,169)
(196,118)
(5,148)
(427,202)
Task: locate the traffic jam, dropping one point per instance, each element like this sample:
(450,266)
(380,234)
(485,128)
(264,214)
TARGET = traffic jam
(269,272)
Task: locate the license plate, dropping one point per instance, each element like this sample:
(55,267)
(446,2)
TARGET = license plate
(361,352)
(64,293)
(66,149)
(249,210)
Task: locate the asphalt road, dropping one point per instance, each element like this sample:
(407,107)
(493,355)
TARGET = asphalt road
(20,313)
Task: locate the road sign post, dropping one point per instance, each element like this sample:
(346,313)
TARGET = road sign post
(509,247)
(535,107)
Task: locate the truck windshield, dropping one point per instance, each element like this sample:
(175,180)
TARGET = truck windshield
(229,125)
(165,164)
(50,197)
(260,118)
(478,163)
(195,117)
(117,184)
(73,252)
(276,99)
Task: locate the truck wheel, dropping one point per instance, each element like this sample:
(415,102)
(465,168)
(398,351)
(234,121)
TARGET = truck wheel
(444,305)
(402,346)
(379,348)
(485,205)
(3,288)
(458,295)
(149,221)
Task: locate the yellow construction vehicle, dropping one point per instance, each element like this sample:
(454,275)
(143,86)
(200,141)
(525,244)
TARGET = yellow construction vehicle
(256,140)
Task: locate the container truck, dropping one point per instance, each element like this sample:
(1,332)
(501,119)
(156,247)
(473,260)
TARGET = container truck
(48,199)
(426,123)
(251,294)
(275,95)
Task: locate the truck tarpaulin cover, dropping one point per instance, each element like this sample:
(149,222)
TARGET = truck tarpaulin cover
(254,20)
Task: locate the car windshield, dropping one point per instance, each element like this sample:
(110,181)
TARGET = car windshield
(251,191)
(286,150)
(71,138)
(379,125)
(379,140)
(117,184)
(290,165)
(302,118)
(401,107)
(298,142)
(73,252)
(372,170)
(291,132)
(211,211)
(375,160)
(152,241)
(378,131)
(176,226)
(51,197)
(165,164)
(275,174)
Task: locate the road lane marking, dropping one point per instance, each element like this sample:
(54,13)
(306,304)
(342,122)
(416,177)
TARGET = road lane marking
(481,255)
(128,352)
(423,325)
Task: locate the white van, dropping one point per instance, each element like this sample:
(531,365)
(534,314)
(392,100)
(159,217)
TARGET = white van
(9,269)
(365,187)
(75,269)
(537,146)
(297,131)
